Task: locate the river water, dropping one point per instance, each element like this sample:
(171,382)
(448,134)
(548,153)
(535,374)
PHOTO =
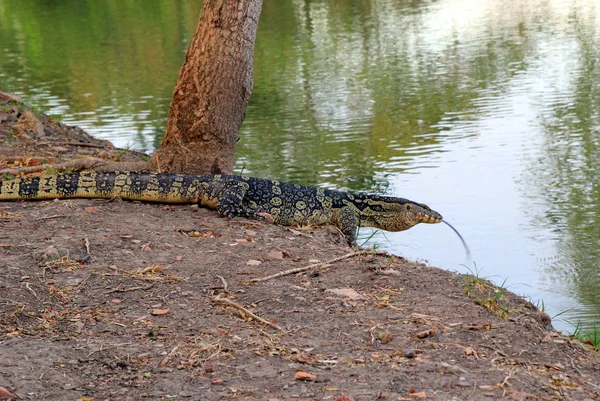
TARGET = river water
(488,111)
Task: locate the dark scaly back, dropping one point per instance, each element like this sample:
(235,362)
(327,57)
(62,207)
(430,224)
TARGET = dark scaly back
(286,202)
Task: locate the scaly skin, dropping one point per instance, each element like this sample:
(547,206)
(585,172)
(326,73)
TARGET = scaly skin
(231,195)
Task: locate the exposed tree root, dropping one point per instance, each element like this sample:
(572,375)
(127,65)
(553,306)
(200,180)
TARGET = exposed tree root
(316,265)
(246,311)
(80,164)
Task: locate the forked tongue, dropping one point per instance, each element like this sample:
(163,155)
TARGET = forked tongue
(467,250)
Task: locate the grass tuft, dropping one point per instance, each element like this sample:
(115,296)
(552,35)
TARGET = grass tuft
(486,294)
(590,337)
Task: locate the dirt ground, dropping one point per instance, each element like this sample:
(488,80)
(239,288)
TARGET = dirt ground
(113,300)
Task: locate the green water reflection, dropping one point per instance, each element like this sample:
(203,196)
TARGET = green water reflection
(569,173)
(355,94)
(98,61)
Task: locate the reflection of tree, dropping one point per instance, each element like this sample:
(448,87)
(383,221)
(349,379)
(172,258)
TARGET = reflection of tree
(570,170)
(115,57)
(343,91)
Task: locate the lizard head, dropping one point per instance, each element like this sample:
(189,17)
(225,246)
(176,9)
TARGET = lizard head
(402,214)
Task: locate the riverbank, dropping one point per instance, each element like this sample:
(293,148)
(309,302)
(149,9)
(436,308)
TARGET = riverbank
(124,300)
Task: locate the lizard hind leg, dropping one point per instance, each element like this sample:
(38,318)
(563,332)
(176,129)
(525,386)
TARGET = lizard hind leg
(231,202)
(348,223)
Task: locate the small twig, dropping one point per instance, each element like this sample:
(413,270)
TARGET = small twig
(246,221)
(104,349)
(507,378)
(316,265)
(87,246)
(80,164)
(371,330)
(495,349)
(7,97)
(129,289)
(575,367)
(246,311)
(212,355)
(224,283)
(453,368)
(83,282)
(173,350)
(300,233)
(83,145)
(77,164)
(32,291)
(165,360)
(54,216)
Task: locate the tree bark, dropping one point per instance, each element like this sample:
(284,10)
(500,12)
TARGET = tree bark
(213,90)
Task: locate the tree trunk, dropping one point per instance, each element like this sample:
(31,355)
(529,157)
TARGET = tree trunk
(213,90)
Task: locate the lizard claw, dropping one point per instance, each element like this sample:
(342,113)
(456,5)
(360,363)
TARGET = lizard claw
(266,216)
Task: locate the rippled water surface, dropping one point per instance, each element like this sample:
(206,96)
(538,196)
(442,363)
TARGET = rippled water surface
(488,110)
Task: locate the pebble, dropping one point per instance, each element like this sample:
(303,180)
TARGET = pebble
(409,353)
(463,382)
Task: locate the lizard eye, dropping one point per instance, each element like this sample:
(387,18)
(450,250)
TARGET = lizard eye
(408,207)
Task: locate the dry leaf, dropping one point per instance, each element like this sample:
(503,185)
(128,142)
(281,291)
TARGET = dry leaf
(477,327)
(390,272)
(420,394)
(275,254)
(487,387)
(50,253)
(253,262)
(4,393)
(385,337)
(518,395)
(426,333)
(158,312)
(306,358)
(91,209)
(471,351)
(301,375)
(345,292)
(344,398)
(557,366)
(199,234)
(152,269)
(4,215)
(422,317)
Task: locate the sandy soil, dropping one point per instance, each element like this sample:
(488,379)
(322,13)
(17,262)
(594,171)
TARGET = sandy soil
(113,300)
